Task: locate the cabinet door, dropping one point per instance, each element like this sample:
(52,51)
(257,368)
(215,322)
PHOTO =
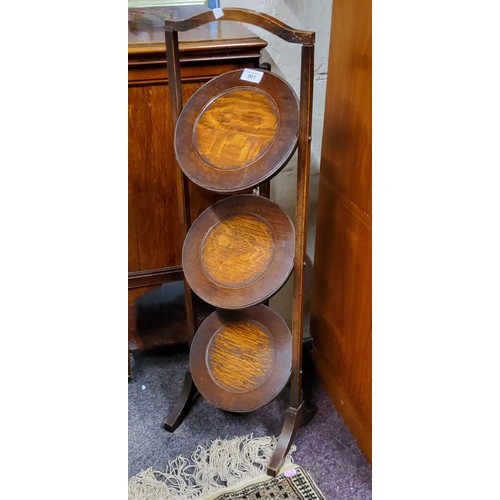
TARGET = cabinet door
(154,197)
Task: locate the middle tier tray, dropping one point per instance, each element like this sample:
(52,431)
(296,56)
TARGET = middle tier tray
(239,252)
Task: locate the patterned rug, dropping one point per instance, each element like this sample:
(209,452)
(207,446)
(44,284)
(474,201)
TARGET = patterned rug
(293,484)
(228,469)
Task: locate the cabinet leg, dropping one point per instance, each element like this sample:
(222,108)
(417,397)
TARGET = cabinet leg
(294,418)
(188,393)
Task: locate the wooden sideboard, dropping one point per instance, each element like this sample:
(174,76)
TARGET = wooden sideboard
(341,303)
(155,236)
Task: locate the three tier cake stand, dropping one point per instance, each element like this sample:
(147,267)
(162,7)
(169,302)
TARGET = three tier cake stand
(236,132)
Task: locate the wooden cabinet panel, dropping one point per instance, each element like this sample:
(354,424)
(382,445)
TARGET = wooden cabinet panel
(341,311)
(154,195)
(151,172)
(347,154)
(341,301)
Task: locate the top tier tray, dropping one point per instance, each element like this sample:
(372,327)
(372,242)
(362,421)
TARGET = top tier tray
(233,134)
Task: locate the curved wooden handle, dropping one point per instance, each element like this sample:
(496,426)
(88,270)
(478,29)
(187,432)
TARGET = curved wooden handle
(258,19)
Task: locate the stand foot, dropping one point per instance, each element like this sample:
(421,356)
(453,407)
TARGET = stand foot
(294,418)
(188,393)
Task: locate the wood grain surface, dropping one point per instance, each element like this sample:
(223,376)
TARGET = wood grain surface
(238,250)
(240,356)
(236,128)
(155,232)
(240,360)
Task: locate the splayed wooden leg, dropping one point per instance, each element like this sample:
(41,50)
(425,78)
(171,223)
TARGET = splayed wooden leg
(188,393)
(294,418)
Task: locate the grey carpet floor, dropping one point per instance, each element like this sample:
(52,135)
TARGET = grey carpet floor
(325,447)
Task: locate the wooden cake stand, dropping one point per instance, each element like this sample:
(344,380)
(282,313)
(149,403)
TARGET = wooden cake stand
(237,131)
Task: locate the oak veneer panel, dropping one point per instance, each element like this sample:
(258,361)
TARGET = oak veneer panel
(341,300)
(244,240)
(240,356)
(236,142)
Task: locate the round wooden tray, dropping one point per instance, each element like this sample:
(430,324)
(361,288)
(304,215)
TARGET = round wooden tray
(241,360)
(239,252)
(232,134)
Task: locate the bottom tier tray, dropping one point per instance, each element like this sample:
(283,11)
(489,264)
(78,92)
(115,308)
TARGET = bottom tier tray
(241,360)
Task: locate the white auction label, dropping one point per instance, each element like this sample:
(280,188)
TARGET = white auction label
(218,13)
(252,75)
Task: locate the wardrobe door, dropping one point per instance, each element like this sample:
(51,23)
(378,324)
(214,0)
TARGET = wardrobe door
(341,302)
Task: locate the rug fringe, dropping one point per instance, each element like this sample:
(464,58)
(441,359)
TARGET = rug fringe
(224,464)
